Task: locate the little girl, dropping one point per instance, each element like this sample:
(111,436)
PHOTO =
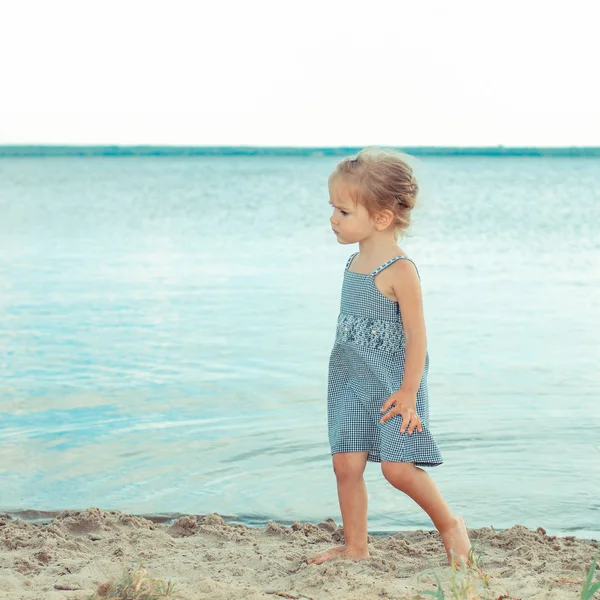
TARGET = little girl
(377,393)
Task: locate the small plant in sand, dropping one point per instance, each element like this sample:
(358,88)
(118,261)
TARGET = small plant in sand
(135,585)
(589,588)
(471,583)
(467,582)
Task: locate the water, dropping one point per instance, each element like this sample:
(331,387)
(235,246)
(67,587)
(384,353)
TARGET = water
(165,325)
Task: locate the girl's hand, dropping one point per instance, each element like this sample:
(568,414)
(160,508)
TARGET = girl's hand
(404,404)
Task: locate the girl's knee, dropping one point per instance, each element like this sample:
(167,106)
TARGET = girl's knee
(399,474)
(347,466)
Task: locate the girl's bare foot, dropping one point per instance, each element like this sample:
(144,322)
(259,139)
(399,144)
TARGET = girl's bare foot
(456,538)
(339,553)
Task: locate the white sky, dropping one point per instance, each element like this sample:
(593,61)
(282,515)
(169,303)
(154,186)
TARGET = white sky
(277,72)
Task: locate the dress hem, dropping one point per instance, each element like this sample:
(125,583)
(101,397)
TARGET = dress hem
(377,458)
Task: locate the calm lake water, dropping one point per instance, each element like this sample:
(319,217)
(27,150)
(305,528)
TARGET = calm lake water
(166,322)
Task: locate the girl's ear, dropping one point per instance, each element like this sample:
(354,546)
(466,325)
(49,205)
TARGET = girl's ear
(383,219)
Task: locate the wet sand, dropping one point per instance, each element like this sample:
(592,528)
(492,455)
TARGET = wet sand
(209,559)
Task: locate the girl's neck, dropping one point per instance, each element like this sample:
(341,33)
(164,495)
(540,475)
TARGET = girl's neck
(378,248)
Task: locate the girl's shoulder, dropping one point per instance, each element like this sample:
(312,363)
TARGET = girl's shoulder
(398,267)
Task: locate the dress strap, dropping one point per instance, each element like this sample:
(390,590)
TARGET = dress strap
(350,260)
(391,261)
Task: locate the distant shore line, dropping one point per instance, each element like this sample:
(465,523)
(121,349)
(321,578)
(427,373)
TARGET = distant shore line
(43,151)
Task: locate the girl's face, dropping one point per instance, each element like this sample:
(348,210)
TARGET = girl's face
(350,220)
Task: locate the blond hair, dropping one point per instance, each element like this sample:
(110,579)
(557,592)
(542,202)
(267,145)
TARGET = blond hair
(380,179)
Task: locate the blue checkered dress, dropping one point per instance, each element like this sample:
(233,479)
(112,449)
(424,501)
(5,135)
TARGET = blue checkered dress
(365,368)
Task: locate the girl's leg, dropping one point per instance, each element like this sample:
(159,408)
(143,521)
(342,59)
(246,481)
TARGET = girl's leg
(352,493)
(416,483)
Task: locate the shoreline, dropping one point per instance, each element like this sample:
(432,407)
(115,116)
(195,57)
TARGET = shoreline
(208,558)
(44,517)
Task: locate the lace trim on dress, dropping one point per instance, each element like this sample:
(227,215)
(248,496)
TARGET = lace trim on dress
(386,336)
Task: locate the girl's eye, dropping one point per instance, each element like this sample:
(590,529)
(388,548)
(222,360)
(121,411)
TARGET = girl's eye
(343,212)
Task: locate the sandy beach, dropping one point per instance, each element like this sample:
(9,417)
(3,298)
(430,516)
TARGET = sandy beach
(207,558)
